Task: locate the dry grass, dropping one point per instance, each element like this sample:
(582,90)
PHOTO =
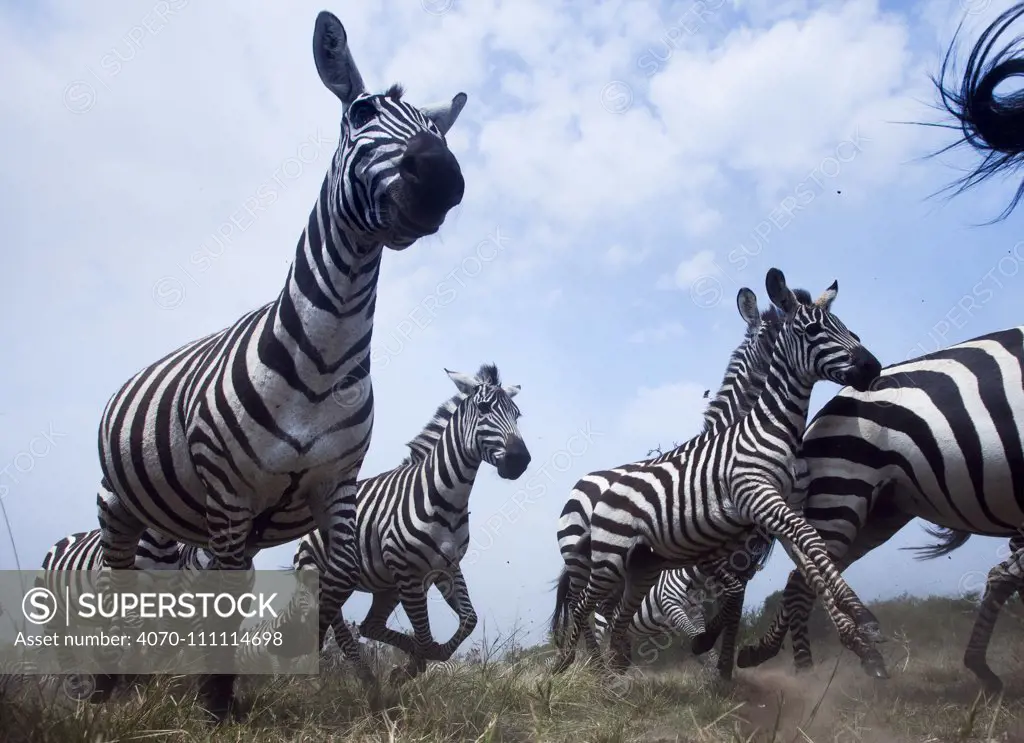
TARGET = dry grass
(930,698)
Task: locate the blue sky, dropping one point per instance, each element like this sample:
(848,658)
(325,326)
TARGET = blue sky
(636,163)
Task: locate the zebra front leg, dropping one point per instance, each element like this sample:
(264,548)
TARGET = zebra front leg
(414,601)
(456,595)
(768,510)
(120,532)
(229,533)
(1003,581)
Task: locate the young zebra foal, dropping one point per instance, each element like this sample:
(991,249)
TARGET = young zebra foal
(689,508)
(413,521)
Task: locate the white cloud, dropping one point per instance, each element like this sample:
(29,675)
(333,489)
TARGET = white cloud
(617,256)
(661,415)
(658,334)
(698,266)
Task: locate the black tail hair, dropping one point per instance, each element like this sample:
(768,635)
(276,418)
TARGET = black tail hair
(994,128)
(949,540)
(560,616)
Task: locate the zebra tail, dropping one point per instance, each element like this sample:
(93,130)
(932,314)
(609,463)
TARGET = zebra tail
(992,127)
(949,540)
(560,616)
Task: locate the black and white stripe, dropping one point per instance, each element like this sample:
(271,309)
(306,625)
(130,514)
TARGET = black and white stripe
(83,552)
(938,438)
(254,435)
(413,521)
(741,385)
(691,507)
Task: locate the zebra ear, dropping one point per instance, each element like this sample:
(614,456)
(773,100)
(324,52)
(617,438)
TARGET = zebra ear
(746,303)
(828,296)
(512,390)
(444,114)
(333,59)
(780,294)
(466,384)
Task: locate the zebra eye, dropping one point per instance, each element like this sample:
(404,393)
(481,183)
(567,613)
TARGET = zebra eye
(484,406)
(812,327)
(361,112)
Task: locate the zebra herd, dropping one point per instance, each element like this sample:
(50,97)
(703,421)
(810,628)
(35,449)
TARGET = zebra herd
(255,436)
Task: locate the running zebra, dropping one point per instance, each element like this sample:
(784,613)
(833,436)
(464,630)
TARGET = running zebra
(938,438)
(991,126)
(273,415)
(689,508)
(413,521)
(742,384)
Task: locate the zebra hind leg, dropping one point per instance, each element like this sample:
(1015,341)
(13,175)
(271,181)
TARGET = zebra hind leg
(374,627)
(120,533)
(1004,580)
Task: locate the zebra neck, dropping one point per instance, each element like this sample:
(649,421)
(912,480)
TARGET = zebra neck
(451,469)
(734,398)
(324,314)
(781,409)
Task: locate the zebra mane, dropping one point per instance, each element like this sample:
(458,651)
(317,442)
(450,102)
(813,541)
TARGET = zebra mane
(395,92)
(424,442)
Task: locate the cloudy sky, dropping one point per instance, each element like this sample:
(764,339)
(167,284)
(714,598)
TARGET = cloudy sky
(629,167)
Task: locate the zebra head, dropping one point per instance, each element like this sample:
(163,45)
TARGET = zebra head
(393,178)
(816,342)
(491,421)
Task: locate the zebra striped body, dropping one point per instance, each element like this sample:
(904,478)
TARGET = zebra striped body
(743,381)
(939,438)
(83,552)
(253,436)
(694,505)
(668,609)
(413,521)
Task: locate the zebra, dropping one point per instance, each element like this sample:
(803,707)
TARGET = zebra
(744,378)
(939,438)
(990,126)
(675,605)
(688,508)
(413,520)
(82,552)
(274,413)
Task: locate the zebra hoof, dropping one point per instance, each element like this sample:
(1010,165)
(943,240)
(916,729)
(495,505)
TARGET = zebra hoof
(874,666)
(702,643)
(991,683)
(217,695)
(745,658)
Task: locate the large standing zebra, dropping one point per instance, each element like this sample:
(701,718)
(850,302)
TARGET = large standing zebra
(275,412)
(741,385)
(413,521)
(990,125)
(688,508)
(940,438)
